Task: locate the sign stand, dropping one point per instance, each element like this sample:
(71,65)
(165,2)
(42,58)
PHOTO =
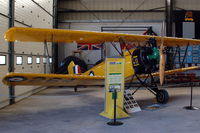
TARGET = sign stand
(114,82)
(114,122)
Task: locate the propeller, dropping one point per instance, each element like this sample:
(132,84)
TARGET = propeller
(162,57)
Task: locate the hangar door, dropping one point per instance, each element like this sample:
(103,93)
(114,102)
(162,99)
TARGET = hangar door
(4,92)
(31,57)
(28,57)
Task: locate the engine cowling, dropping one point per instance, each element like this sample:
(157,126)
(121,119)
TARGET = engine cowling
(145,60)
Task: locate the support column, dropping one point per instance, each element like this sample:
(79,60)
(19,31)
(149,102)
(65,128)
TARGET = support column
(169,17)
(169,30)
(11,51)
(55,45)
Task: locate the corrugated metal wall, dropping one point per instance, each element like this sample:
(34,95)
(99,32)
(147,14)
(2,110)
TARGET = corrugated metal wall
(111,5)
(122,5)
(187,4)
(28,13)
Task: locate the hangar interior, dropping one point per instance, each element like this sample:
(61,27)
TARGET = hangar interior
(118,16)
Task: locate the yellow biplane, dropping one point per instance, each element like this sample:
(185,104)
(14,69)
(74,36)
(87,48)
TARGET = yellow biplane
(138,60)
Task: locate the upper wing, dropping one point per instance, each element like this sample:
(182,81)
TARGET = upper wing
(59,35)
(51,79)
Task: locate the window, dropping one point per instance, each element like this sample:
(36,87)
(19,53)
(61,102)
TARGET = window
(19,60)
(37,60)
(30,60)
(50,60)
(2,59)
(44,60)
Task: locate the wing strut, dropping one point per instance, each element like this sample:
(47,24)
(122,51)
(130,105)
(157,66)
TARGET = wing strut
(121,53)
(123,44)
(181,65)
(161,95)
(46,54)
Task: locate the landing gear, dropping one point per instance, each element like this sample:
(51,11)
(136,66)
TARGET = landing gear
(162,96)
(75,88)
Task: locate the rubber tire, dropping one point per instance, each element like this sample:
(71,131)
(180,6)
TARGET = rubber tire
(63,69)
(162,96)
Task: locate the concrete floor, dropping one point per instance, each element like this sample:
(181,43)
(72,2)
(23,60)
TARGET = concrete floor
(60,110)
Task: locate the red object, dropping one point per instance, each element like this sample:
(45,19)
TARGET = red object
(89,46)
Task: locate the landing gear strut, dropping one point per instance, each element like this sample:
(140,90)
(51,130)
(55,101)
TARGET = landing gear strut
(75,88)
(162,96)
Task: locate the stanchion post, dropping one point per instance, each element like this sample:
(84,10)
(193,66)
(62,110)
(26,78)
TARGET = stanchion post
(191,107)
(114,122)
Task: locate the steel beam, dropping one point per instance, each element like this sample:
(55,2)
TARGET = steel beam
(169,30)
(105,11)
(169,17)
(55,45)
(110,21)
(11,51)
(42,8)
(23,23)
(4,15)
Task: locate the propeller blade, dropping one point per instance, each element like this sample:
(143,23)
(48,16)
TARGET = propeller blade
(162,58)
(162,67)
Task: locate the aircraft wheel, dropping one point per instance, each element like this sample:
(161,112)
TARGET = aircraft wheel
(16,79)
(75,89)
(162,96)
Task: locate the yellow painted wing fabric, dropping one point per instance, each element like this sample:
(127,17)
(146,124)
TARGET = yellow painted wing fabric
(51,79)
(60,35)
(67,80)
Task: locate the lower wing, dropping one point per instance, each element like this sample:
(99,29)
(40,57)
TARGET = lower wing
(51,79)
(68,80)
(168,72)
